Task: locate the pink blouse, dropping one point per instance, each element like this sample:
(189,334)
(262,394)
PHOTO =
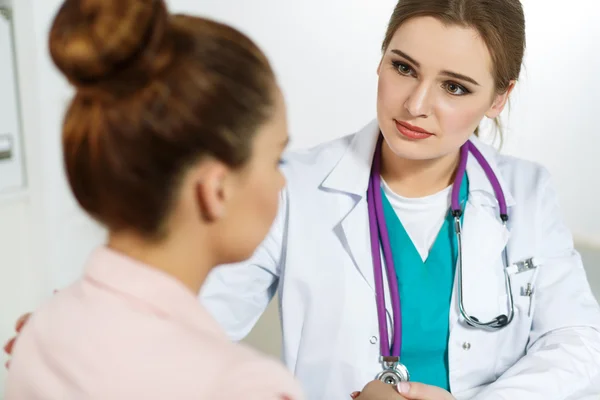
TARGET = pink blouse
(128,331)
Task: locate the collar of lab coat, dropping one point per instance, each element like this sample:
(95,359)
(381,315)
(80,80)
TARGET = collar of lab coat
(351,173)
(149,288)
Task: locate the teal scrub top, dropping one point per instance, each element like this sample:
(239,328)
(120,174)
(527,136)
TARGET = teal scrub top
(425,295)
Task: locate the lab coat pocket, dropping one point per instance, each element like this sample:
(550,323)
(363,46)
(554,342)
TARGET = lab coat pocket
(523,286)
(513,339)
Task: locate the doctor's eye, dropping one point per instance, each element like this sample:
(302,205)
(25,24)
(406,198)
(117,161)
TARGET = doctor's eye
(455,89)
(403,69)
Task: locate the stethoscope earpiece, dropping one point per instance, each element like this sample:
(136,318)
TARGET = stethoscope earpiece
(501,321)
(470,323)
(497,323)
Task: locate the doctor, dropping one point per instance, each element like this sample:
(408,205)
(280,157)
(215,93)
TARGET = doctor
(533,329)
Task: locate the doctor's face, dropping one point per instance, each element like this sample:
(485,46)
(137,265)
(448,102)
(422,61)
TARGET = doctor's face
(435,87)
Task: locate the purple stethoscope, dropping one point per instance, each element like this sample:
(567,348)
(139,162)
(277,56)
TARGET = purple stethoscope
(394,371)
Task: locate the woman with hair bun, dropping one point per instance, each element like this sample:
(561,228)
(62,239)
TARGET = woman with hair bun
(173,142)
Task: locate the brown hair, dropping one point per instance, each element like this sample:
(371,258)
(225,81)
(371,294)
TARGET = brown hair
(155,93)
(500,23)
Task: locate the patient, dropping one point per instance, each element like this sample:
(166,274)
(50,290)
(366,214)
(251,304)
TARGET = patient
(173,142)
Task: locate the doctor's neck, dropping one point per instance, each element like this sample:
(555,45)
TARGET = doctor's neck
(417,178)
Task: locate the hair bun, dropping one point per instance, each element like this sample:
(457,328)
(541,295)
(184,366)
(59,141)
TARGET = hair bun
(94,42)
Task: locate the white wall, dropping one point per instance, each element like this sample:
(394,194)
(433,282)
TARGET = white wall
(22,281)
(554,113)
(325,54)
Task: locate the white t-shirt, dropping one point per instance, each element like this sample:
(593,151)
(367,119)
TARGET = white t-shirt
(422,218)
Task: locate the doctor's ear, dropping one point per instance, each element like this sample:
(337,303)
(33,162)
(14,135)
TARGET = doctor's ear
(500,101)
(212,192)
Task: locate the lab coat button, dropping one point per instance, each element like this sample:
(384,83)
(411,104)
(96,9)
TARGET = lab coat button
(466,346)
(373,339)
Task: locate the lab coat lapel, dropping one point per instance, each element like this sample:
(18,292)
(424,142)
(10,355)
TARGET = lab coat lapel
(355,232)
(350,178)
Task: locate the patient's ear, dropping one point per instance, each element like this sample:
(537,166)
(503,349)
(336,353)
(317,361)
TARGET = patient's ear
(212,191)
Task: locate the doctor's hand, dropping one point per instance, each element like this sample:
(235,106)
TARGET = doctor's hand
(377,390)
(421,391)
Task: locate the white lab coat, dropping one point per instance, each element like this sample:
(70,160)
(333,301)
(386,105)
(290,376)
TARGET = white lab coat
(318,256)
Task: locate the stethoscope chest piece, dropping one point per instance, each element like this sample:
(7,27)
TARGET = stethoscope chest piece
(394,372)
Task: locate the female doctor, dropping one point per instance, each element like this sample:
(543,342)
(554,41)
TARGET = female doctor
(505,312)
(477,291)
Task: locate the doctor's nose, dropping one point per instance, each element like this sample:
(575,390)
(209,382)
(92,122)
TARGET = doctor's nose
(418,103)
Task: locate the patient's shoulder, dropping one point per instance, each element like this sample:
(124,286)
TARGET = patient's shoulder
(224,370)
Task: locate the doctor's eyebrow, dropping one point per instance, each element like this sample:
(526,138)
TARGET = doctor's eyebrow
(409,58)
(451,74)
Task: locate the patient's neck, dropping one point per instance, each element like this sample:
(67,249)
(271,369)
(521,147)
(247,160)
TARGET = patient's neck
(186,260)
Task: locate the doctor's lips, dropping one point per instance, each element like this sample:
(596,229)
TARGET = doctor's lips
(411,131)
